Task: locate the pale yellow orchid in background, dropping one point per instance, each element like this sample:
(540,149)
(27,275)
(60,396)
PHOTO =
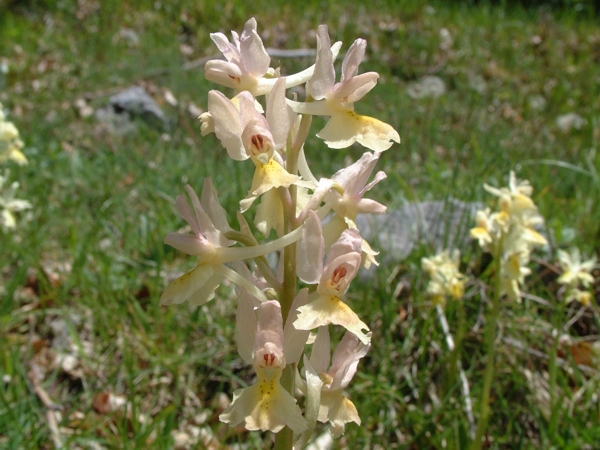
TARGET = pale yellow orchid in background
(576,273)
(10,144)
(9,205)
(512,228)
(446,279)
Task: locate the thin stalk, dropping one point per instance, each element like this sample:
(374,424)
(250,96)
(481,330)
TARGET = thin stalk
(285,438)
(490,344)
(553,371)
(456,363)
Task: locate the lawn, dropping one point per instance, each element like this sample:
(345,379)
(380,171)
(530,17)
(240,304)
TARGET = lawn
(88,357)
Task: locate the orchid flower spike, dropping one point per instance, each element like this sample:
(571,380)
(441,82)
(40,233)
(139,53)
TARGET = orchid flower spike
(511,230)
(342,265)
(446,279)
(247,66)
(337,99)
(266,405)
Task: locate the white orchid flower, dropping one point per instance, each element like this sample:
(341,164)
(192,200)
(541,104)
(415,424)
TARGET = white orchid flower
(265,405)
(247,66)
(337,99)
(335,407)
(208,220)
(342,265)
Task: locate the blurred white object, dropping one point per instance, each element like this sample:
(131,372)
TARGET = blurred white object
(427,87)
(567,122)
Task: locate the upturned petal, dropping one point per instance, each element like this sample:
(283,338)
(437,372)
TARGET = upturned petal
(323,79)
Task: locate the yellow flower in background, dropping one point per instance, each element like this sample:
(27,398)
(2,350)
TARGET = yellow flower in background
(9,205)
(10,144)
(576,273)
(446,279)
(513,228)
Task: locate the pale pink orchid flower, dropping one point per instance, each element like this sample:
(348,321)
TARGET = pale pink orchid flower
(348,199)
(337,99)
(247,63)
(342,265)
(208,221)
(334,406)
(265,405)
(246,133)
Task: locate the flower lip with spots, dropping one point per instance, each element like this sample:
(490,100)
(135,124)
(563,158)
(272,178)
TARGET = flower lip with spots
(266,405)
(326,307)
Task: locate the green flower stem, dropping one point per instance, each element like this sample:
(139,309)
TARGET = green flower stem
(285,438)
(553,371)
(490,344)
(456,365)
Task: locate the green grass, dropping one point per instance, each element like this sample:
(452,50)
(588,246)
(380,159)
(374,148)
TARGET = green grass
(89,260)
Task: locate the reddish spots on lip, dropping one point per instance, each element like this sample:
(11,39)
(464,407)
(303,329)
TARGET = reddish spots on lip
(258,141)
(238,80)
(269,359)
(339,273)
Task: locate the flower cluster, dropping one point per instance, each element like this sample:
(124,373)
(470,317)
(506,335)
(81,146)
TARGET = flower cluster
(10,143)
(10,149)
(318,241)
(575,274)
(509,233)
(446,279)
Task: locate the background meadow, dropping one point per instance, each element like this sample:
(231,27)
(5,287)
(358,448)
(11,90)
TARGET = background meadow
(90,360)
